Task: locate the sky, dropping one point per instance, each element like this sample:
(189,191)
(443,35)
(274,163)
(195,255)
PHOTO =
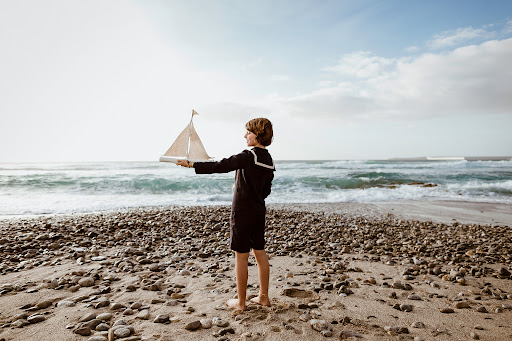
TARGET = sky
(116,80)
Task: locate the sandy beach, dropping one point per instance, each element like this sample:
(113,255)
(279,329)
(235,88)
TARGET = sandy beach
(384,271)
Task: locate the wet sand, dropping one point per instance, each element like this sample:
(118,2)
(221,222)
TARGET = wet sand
(408,271)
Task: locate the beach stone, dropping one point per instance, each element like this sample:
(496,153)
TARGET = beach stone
(105,316)
(36,318)
(98,258)
(143,314)
(418,325)
(86,282)
(65,303)
(507,306)
(462,305)
(207,323)
(474,336)
(447,310)
(161,318)
(87,317)
(414,297)
(184,272)
(319,325)
(482,310)
(44,304)
(347,333)
(406,307)
(102,327)
(116,306)
(20,323)
(220,322)
(97,338)
(194,325)
(82,330)
(122,332)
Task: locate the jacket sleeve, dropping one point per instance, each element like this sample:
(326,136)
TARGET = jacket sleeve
(229,164)
(268,186)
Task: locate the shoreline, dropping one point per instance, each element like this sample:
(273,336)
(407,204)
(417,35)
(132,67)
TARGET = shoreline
(441,211)
(351,271)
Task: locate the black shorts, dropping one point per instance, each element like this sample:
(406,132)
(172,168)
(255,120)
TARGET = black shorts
(247,231)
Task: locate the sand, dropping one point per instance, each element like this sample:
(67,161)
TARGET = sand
(362,271)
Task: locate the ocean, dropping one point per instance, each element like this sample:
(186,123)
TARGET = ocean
(56,188)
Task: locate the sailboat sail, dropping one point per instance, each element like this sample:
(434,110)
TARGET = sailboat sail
(187,146)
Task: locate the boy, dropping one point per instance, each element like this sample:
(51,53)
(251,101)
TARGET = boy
(254,174)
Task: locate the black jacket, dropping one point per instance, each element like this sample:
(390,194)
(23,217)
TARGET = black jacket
(254,174)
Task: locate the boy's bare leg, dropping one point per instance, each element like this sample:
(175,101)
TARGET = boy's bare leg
(263,274)
(242,273)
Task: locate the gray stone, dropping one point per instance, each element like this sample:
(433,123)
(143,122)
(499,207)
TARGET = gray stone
(143,315)
(207,323)
(194,325)
(87,317)
(105,316)
(86,282)
(122,332)
(36,318)
(162,318)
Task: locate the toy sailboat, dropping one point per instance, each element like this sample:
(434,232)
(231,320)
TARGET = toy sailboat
(188,146)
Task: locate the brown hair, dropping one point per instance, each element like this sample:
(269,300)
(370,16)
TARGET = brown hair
(262,128)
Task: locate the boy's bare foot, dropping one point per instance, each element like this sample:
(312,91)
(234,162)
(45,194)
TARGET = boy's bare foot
(261,299)
(234,304)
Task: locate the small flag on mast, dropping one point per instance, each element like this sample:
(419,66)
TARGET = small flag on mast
(194,112)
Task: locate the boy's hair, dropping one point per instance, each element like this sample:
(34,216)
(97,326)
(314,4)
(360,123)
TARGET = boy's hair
(262,128)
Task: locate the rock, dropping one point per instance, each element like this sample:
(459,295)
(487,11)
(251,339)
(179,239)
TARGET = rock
(97,338)
(36,318)
(206,323)
(219,322)
(418,325)
(102,327)
(474,336)
(503,273)
(184,272)
(347,333)
(414,297)
(319,325)
(105,316)
(161,318)
(482,310)
(20,323)
(116,306)
(143,314)
(194,325)
(86,282)
(122,332)
(44,304)
(87,317)
(406,307)
(65,303)
(447,310)
(462,305)
(98,258)
(82,330)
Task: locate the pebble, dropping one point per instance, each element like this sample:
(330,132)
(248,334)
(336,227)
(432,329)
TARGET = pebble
(86,282)
(143,314)
(161,318)
(462,305)
(207,323)
(347,333)
(97,338)
(447,310)
(482,309)
(87,317)
(406,307)
(36,318)
(122,332)
(105,316)
(220,322)
(418,325)
(194,325)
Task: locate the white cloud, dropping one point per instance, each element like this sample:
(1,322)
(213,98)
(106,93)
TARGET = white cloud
(360,64)
(508,27)
(460,36)
(469,80)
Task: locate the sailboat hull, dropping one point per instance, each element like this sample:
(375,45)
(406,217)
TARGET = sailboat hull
(172,159)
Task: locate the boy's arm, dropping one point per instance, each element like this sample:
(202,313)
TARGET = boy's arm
(229,164)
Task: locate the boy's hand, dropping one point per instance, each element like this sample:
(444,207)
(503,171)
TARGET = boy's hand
(183,163)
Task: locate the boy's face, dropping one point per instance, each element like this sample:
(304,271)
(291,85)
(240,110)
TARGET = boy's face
(251,139)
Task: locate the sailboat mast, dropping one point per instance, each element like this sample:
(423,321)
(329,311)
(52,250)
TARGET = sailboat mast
(189,132)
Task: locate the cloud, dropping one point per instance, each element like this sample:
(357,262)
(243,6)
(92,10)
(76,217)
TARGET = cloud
(460,36)
(468,80)
(360,64)
(508,27)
